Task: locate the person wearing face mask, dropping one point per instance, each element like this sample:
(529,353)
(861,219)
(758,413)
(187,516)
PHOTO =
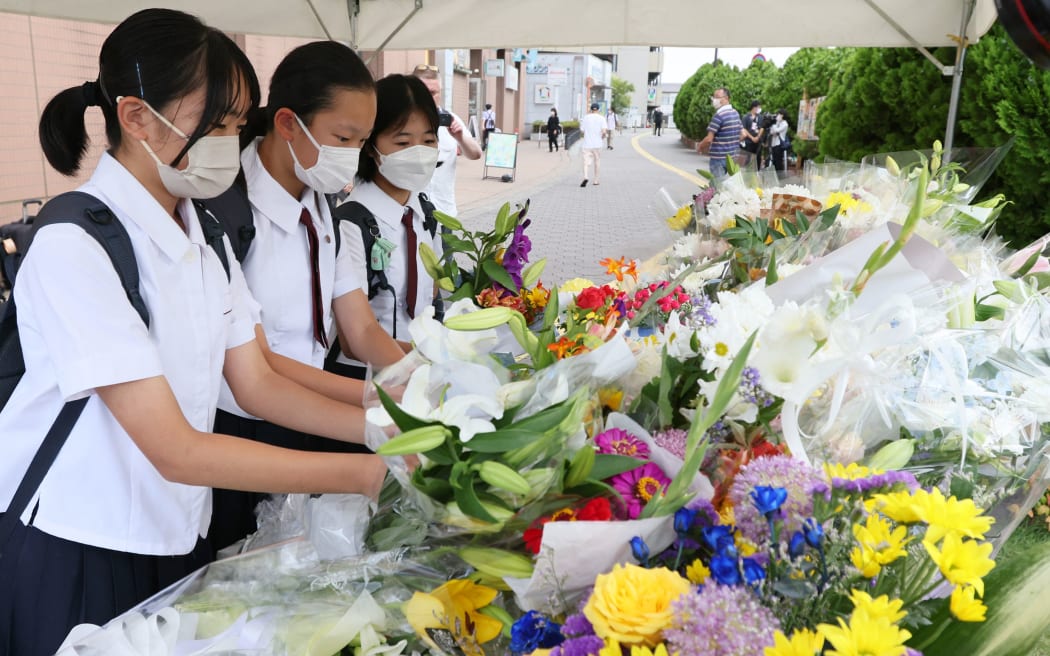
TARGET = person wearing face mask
(397,162)
(779,142)
(306,143)
(553,130)
(123,509)
(751,144)
(724,133)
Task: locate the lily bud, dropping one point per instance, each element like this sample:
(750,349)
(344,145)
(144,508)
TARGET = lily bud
(497,562)
(482,319)
(503,477)
(430,261)
(893,456)
(417,440)
(892,166)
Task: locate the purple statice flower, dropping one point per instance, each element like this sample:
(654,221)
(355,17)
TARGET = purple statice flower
(700,316)
(720,620)
(619,304)
(638,486)
(619,442)
(794,475)
(577,625)
(582,646)
(751,389)
(672,440)
(706,515)
(884,481)
(517,254)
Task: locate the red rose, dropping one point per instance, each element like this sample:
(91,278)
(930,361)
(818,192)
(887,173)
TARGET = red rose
(533,538)
(591,298)
(596,510)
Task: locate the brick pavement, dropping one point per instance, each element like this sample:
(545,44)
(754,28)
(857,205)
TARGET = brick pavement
(575,227)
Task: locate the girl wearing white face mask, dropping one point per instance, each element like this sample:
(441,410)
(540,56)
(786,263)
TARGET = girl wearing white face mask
(397,163)
(123,509)
(306,143)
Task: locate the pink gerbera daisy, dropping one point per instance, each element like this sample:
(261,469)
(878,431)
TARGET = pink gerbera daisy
(638,486)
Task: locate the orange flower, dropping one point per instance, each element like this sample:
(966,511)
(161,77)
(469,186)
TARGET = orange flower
(565,347)
(620,268)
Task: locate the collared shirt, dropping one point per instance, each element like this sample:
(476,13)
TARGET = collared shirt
(726,126)
(278,268)
(352,261)
(442,187)
(79,332)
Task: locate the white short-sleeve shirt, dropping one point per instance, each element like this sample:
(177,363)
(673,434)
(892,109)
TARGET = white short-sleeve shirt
(80,332)
(352,262)
(278,268)
(442,187)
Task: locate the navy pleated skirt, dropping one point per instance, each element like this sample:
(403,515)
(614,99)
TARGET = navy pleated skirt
(49,585)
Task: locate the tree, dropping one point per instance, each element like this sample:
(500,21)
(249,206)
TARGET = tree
(1005,96)
(621,95)
(806,74)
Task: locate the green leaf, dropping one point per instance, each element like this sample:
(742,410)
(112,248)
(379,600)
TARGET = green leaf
(448,221)
(771,270)
(607,465)
(434,483)
(500,441)
(550,315)
(761,229)
(828,216)
(498,274)
(789,228)
(546,419)
(734,233)
(801,221)
(984,312)
(454,243)
(467,498)
(403,420)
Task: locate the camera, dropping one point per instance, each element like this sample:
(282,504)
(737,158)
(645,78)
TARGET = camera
(766,120)
(444,118)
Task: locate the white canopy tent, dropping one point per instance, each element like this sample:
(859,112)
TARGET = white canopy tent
(418,24)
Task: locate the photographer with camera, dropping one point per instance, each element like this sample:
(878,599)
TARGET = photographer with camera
(453,140)
(751,144)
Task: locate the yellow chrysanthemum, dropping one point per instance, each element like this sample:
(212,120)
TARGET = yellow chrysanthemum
(881,537)
(697,572)
(681,218)
(801,643)
(847,203)
(901,507)
(632,605)
(866,561)
(952,515)
(850,472)
(575,285)
(965,606)
(659,650)
(961,561)
(611,648)
(726,515)
(611,398)
(864,636)
(879,607)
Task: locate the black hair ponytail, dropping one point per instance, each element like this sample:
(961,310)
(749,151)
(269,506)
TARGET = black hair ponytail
(160,56)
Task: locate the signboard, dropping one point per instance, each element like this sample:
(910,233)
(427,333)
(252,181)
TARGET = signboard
(544,94)
(807,118)
(557,76)
(510,79)
(650,96)
(501,153)
(494,67)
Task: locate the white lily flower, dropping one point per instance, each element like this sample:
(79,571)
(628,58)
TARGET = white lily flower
(439,344)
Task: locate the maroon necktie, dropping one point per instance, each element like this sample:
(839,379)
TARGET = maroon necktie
(410,255)
(315,278)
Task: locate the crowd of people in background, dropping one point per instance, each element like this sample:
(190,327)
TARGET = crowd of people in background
(758,139)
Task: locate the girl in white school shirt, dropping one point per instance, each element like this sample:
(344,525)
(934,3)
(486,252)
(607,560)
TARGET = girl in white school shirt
(397,162)
(122,511)
(305,143)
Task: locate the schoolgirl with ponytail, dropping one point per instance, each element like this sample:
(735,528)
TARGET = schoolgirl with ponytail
(124,509)
(305,144)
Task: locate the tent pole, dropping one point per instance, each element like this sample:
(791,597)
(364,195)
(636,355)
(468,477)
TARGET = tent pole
(324,28)
(353,10)
(957,72)
(419,5)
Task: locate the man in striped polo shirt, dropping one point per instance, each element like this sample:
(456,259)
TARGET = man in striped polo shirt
(724,133)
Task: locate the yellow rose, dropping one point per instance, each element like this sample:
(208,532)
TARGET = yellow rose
(632,605)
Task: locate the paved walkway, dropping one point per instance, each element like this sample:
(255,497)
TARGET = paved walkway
(575,227)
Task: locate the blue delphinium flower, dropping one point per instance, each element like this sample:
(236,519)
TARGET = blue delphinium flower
(724,570)
(684,519)
(797,545)
(718,538)
(533,631)
(754,573)
(640,551)
(768,499)
(814,533)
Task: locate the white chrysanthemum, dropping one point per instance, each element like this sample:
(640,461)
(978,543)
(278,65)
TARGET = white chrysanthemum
(736,317)
(725,206)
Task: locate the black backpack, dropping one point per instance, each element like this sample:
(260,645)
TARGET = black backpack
(363,218)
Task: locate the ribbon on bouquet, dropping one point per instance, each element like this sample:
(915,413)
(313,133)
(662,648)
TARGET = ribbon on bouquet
(847,353)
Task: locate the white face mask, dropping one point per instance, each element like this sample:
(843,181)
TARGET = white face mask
(409,169)
(335,168)
(716,102)
(212,164)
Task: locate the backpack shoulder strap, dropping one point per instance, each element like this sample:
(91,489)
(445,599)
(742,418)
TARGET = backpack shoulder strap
(213,234)
(92,215)
(233,212)
(429,222)
(360,216)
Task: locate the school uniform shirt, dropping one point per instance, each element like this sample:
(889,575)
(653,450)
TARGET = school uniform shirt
(351,261)
(442,187)
(79,332)
(277,267)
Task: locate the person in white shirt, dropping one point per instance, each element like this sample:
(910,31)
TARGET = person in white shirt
(123,510)
(594,130)
(453,140)
(307,143)
(397,162)
(488,121)
(610,125)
